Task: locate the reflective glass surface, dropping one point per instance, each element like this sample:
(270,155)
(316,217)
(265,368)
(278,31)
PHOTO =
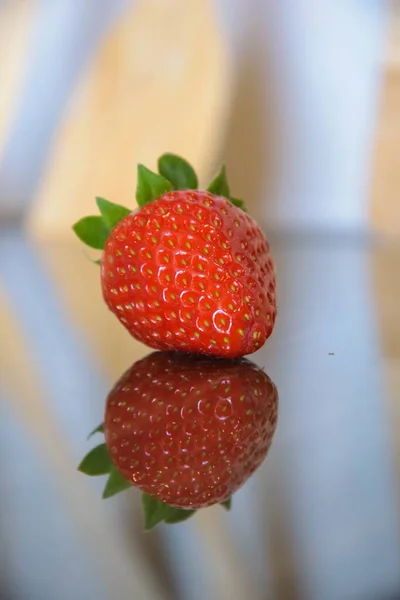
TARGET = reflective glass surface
(319,519)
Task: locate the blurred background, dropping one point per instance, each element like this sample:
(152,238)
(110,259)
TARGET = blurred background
(301,100)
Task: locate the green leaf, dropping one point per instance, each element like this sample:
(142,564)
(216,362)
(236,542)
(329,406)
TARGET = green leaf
(92,231)
(219,184)
(115,483)
(227,504)
(220,187)
(98,429)
(150,186)
(156,511)
(96,462)
(111,213)
(177,515)
(178,171)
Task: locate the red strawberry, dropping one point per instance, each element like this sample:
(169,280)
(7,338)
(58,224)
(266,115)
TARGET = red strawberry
(189,270)
(190,430)
(193,272)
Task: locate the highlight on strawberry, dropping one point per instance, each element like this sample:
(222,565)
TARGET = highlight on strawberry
(189,269)
(187,430)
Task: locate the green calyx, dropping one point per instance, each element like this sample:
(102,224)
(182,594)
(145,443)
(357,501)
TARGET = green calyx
(220,187)
(178,171)
(156,512)
(98,462)
(150,186)
(174,173)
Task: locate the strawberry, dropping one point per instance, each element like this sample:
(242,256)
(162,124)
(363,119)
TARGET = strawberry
(189,270)
(187,430)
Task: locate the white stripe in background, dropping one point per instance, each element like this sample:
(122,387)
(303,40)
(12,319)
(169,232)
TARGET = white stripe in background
(72,398)
(41,541)
(66,34)
(333,444)
(76,386)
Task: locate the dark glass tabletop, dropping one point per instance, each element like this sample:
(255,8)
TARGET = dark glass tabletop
(318,520)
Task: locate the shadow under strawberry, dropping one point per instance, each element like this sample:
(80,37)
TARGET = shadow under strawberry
(187,430)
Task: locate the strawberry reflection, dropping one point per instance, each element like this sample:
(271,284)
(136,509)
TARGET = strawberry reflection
(187,430)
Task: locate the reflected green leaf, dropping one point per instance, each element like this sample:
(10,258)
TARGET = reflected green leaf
(98,429)
(227,504)
(96,462)
(177,515)
(155,511)
(116,483)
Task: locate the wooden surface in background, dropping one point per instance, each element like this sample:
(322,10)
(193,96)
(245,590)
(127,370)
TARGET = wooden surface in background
(385,187)
(385,213)
(386,285)
(156,62)
(17,20)
(159,82)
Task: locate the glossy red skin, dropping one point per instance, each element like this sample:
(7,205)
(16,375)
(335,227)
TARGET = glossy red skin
(191,272)
(190,430)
